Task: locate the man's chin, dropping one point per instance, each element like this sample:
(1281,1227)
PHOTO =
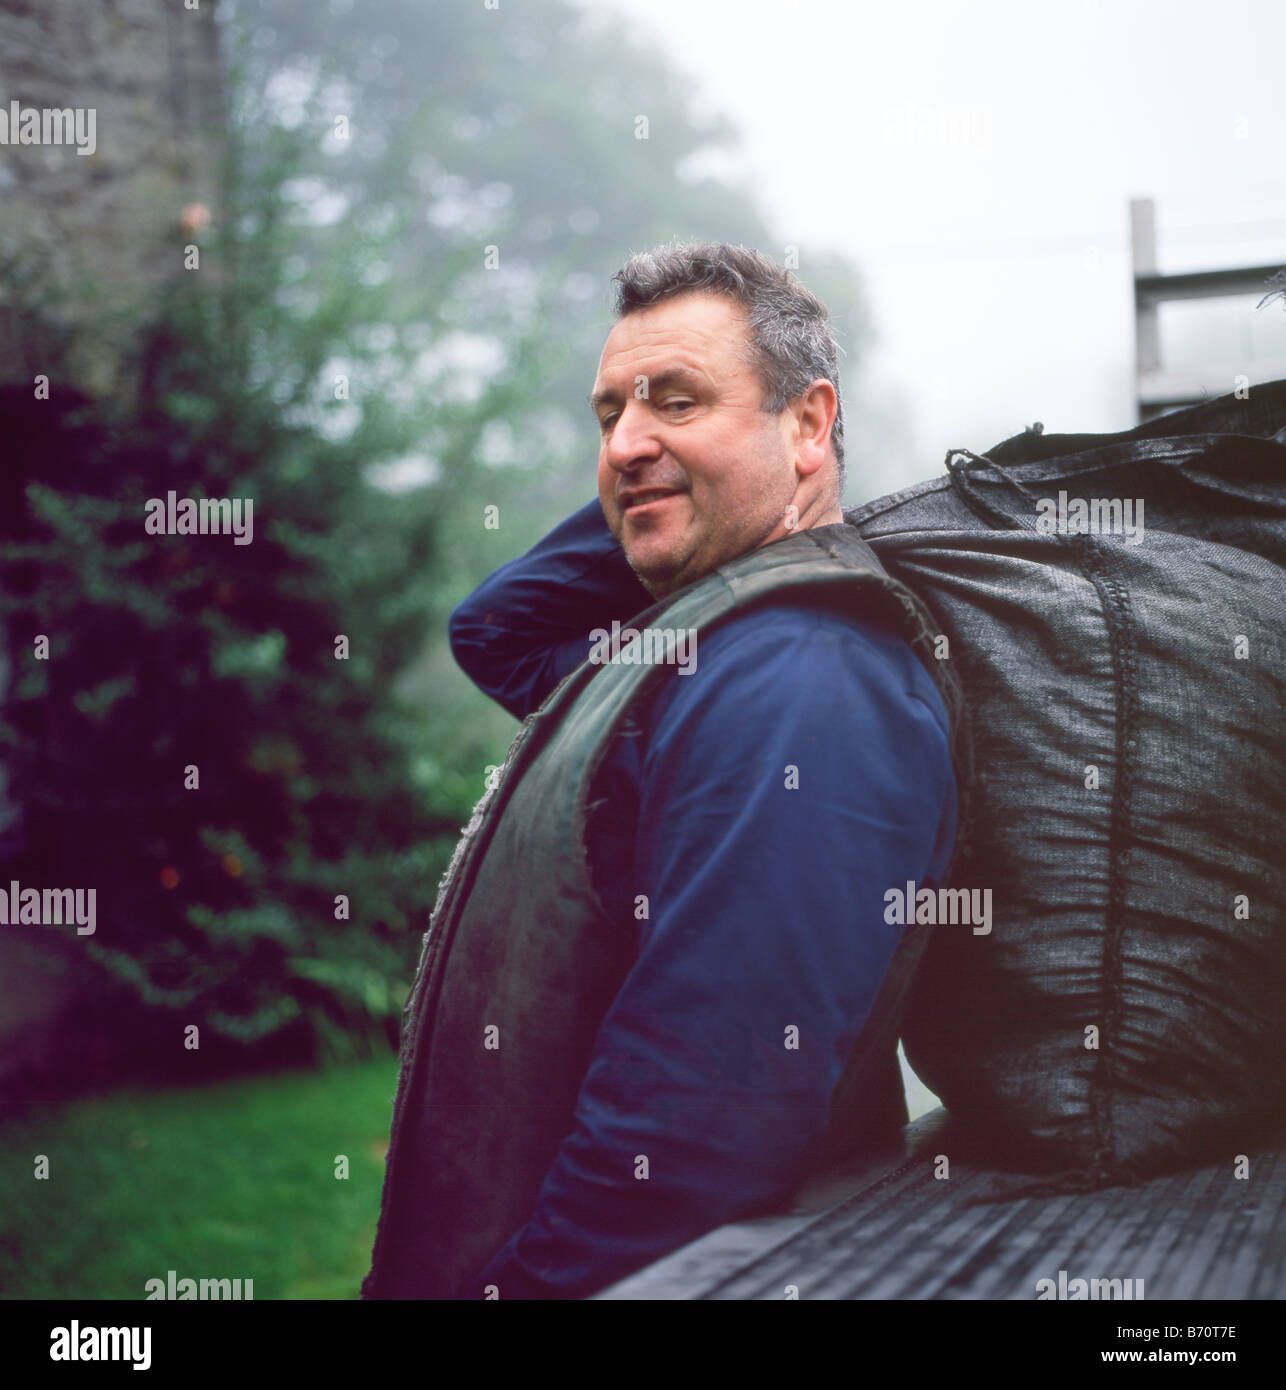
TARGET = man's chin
(660,578)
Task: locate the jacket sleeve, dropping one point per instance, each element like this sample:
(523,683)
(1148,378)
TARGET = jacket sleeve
(766,920)
(527,626)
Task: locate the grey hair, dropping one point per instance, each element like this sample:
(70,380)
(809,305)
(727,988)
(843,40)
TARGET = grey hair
(792,341)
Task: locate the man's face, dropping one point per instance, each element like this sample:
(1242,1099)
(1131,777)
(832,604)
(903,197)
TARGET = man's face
(695,472)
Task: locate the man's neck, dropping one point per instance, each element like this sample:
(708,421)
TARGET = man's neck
(820,512)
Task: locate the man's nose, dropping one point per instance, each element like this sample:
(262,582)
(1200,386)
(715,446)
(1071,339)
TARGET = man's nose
(632,439)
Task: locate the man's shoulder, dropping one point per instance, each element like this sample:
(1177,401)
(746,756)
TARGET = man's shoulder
(787,654)
(793,627)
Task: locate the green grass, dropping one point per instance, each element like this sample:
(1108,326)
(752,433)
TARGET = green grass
(229,1181)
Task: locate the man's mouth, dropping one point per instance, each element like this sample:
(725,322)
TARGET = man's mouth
(645,498)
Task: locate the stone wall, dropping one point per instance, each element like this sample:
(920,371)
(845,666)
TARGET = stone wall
(82,235)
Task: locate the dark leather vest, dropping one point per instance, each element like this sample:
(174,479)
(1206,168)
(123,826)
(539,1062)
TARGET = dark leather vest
(521,963)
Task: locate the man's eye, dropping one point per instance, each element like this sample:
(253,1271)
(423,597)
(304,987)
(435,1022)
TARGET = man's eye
(674,403)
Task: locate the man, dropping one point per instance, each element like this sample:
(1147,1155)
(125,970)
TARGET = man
(663,933)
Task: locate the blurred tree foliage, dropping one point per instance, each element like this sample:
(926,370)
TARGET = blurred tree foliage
(400,303)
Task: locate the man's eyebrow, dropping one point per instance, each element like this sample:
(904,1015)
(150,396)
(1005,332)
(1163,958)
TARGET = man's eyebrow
(672,376)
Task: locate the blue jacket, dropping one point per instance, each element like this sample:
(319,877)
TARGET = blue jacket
(765,901)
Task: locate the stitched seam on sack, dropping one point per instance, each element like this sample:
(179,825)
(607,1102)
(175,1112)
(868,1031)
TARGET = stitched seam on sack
(1114,601)
(1116,607)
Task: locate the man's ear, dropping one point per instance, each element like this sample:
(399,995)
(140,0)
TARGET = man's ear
(815,413)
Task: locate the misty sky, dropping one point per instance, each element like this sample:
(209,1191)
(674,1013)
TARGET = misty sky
(977,162)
